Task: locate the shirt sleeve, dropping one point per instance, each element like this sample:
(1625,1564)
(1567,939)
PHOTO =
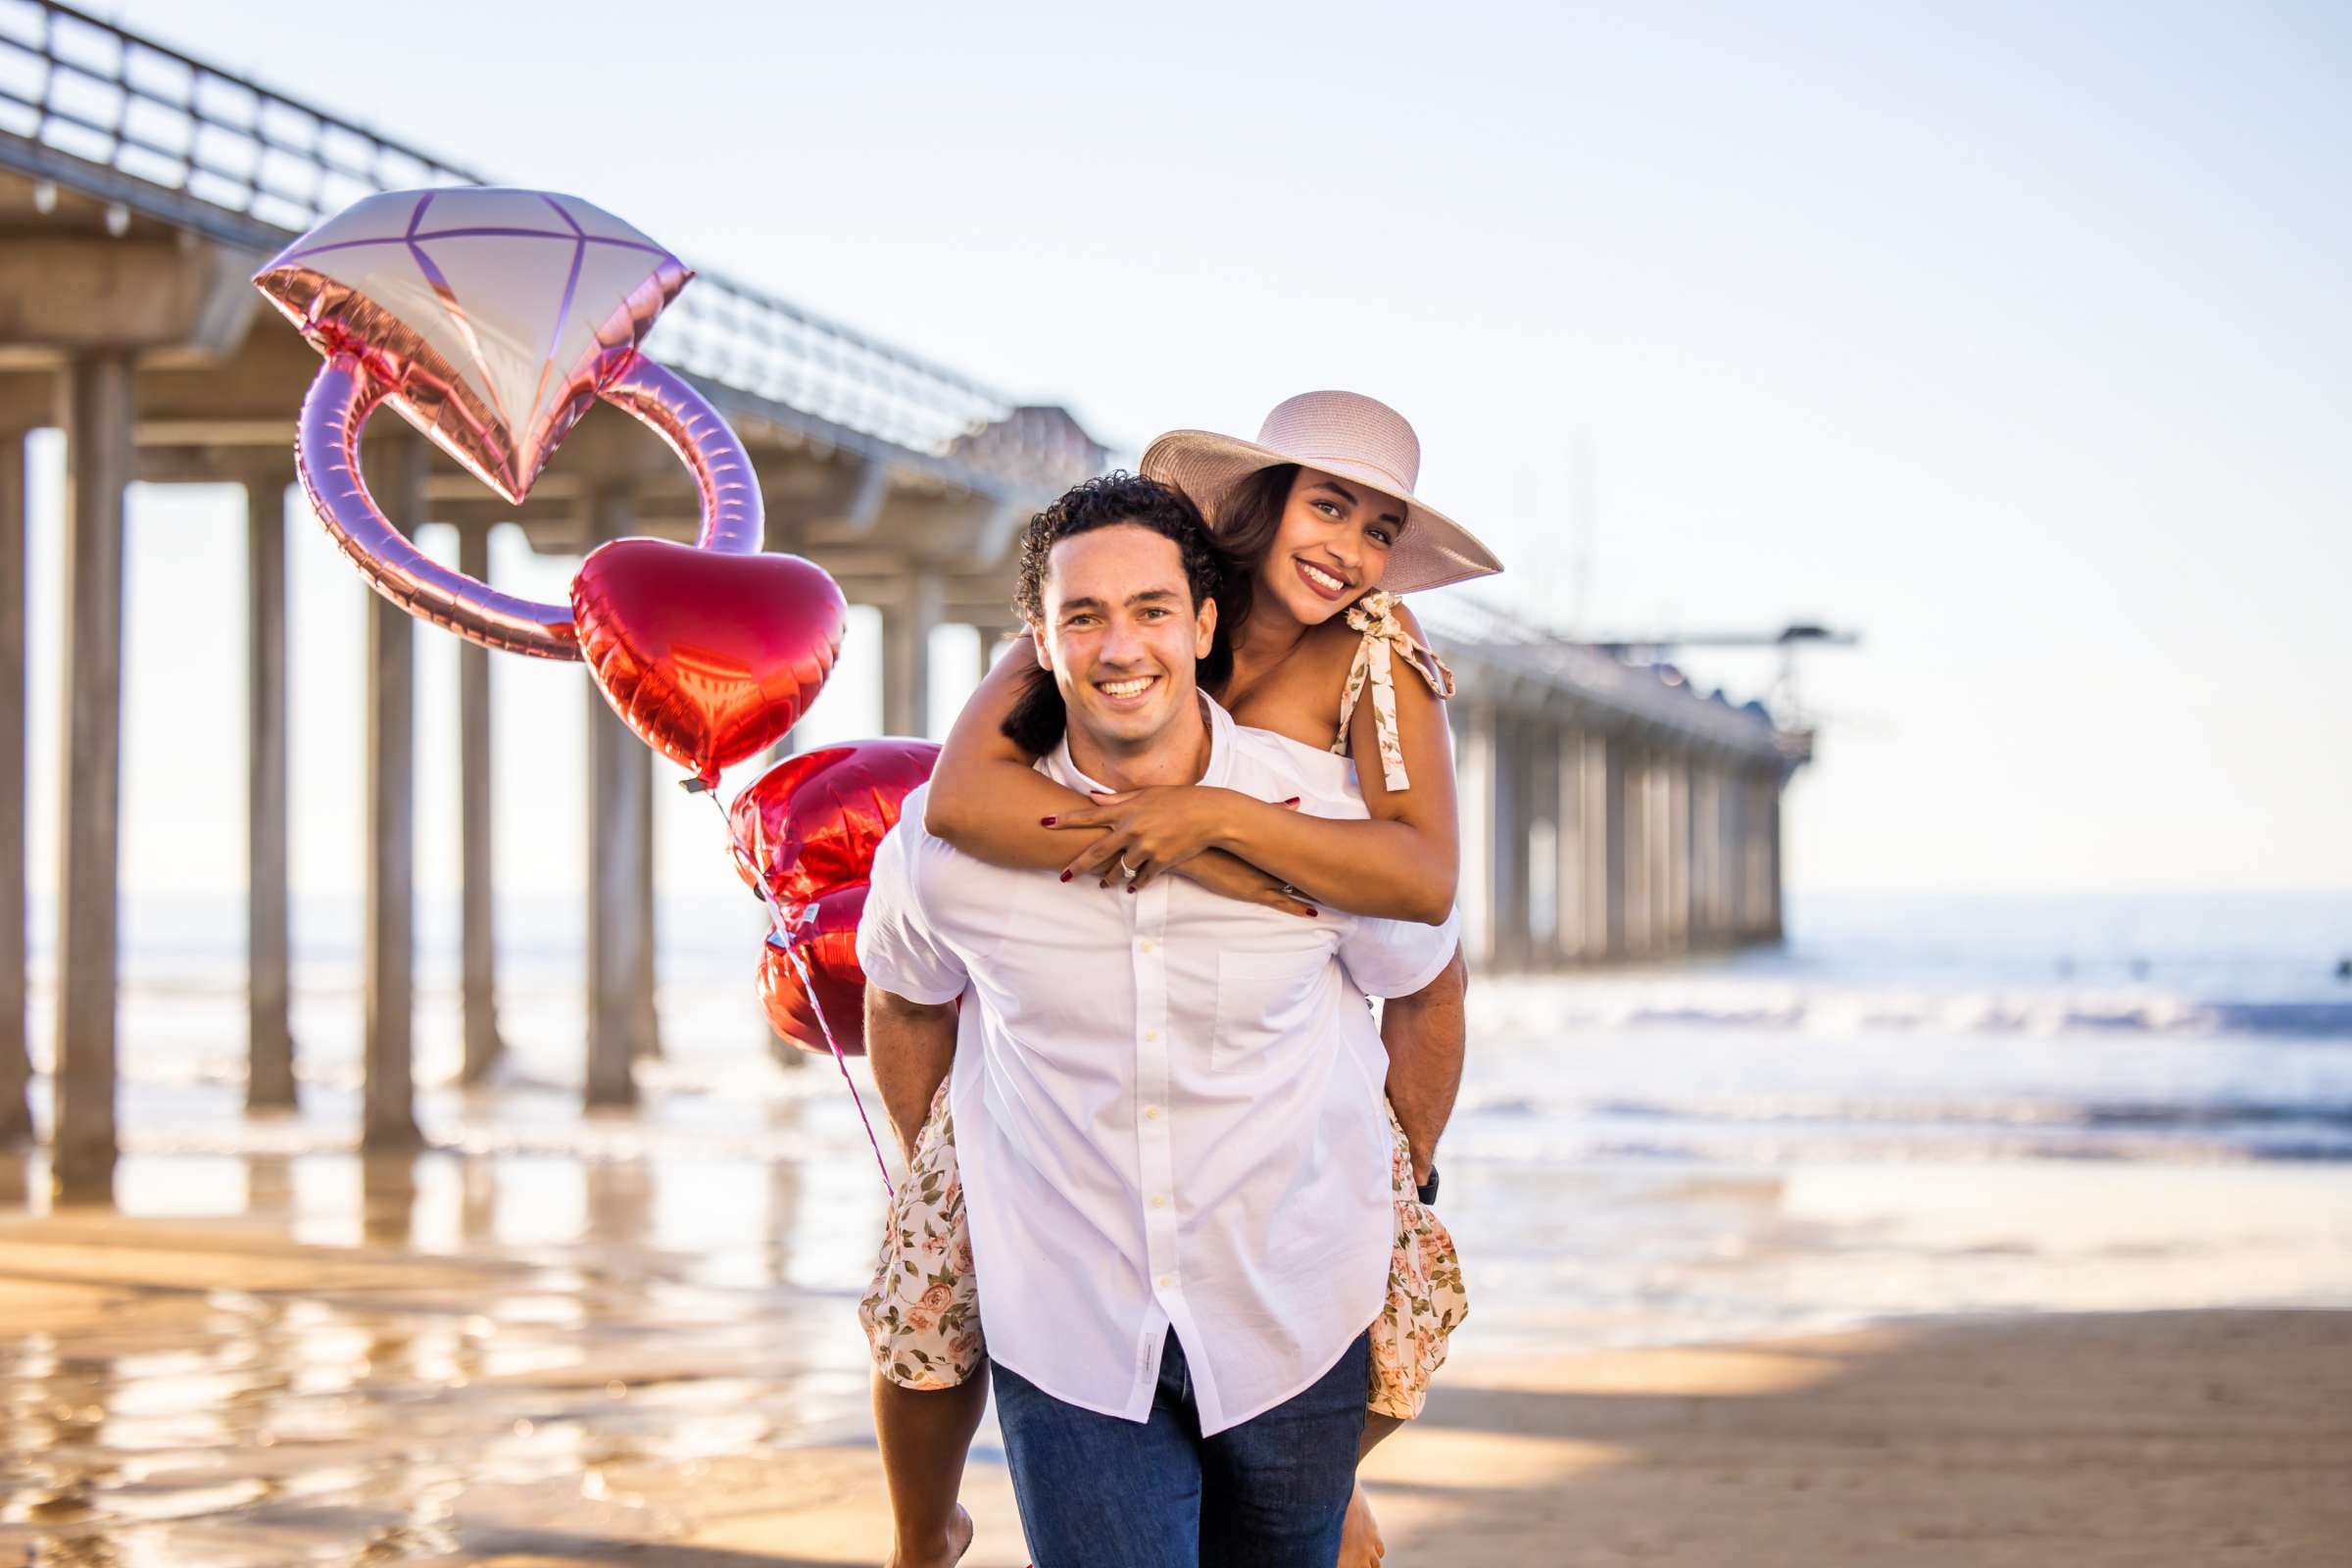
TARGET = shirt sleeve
(1397,958)
(896,944)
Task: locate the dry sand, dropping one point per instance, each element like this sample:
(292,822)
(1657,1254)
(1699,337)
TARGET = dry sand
(190,1393)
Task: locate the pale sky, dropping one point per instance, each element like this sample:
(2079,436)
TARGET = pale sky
(2013,337)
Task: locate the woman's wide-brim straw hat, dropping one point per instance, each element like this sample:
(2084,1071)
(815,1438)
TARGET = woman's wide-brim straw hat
(1344,433)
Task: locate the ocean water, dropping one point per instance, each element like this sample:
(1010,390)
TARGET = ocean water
(2166,1028)
(1917,1105)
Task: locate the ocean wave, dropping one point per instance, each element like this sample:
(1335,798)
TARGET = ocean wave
(1544,1005)
(2141,1115)
(2318,1020)
(1551,1007)
(1782,1148)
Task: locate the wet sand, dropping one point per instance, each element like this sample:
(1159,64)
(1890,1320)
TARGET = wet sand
(192,1392)
(2189,1438)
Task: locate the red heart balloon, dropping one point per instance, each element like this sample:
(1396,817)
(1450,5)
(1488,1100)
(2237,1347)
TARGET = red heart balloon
(810,823)
(709,657)
(827,942)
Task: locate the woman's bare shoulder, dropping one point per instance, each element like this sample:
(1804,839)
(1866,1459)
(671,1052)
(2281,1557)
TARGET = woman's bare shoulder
(1324,656)
(1331,639)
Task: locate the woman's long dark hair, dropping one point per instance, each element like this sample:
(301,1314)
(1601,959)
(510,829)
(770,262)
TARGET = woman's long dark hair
(1244,532)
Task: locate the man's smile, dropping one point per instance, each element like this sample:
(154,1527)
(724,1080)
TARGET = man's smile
(1127,691)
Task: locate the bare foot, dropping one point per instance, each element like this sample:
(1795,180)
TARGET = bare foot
(945,1553)
(1361,1542)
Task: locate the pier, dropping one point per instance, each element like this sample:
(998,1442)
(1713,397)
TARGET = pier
(1608,812)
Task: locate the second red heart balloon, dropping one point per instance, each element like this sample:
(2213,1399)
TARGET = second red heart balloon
(810,823)
(804,834)
(710,658)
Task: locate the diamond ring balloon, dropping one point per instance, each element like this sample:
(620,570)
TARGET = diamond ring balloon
(490,318)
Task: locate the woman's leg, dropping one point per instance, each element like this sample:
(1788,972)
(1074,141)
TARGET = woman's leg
(921,1318)
(1424,1036)
(1361,1544)
(925,1436)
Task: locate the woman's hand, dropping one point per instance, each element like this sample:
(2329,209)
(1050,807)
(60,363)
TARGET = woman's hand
(1145,832)
(1222,873)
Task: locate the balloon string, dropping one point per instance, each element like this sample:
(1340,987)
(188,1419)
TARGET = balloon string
(791,948)
(799,966)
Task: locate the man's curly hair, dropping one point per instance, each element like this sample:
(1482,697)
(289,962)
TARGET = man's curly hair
(1101,502)
(1117,499)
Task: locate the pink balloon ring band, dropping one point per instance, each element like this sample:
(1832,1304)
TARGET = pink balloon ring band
(327,453)
(490,320)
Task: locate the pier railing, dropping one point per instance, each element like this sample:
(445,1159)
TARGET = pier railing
(199,147)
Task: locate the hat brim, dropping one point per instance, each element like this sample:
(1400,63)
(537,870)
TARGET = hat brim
(1433,551)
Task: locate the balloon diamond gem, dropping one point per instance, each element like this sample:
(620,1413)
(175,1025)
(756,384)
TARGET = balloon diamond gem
(493,318)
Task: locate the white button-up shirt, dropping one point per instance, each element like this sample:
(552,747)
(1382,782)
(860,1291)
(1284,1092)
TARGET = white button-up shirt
(1167,1105)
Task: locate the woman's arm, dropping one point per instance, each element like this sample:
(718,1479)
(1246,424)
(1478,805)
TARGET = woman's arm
(1400,865)
(987,796)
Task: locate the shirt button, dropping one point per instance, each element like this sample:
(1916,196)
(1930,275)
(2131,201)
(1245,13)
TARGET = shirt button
(1150,1033)
(1146,943)
(1150,1114)
(1159,1200)
(1167,1281)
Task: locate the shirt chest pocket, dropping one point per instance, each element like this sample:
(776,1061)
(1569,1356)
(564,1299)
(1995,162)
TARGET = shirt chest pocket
(1262,1000)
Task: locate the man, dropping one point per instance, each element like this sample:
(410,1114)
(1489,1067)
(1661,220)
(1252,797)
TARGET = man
(1167,1105)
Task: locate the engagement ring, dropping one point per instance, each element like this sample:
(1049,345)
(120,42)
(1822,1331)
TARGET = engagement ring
(491,320)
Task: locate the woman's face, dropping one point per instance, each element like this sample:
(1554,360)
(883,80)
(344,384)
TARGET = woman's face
(1331,547)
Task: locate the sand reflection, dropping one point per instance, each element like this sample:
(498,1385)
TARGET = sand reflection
(489,1340)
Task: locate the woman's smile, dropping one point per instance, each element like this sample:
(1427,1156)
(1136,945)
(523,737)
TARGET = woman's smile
(1326,583)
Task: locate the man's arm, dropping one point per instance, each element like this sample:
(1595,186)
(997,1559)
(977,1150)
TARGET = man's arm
(910,1046)
(912,978)
(1425,1036)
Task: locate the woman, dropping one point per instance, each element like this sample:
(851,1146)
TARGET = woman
(1322,528)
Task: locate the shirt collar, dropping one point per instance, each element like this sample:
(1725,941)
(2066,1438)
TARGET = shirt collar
(1058,766)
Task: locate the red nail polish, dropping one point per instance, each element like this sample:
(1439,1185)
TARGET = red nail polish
(1292,800)
(1065,876)
(1131,887)
(1312,912)
(1046,821)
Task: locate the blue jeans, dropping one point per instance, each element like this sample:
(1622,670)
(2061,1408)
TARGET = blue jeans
(1097,1491)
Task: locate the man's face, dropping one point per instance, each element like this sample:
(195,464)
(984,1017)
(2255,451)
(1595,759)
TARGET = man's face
(1121,634)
